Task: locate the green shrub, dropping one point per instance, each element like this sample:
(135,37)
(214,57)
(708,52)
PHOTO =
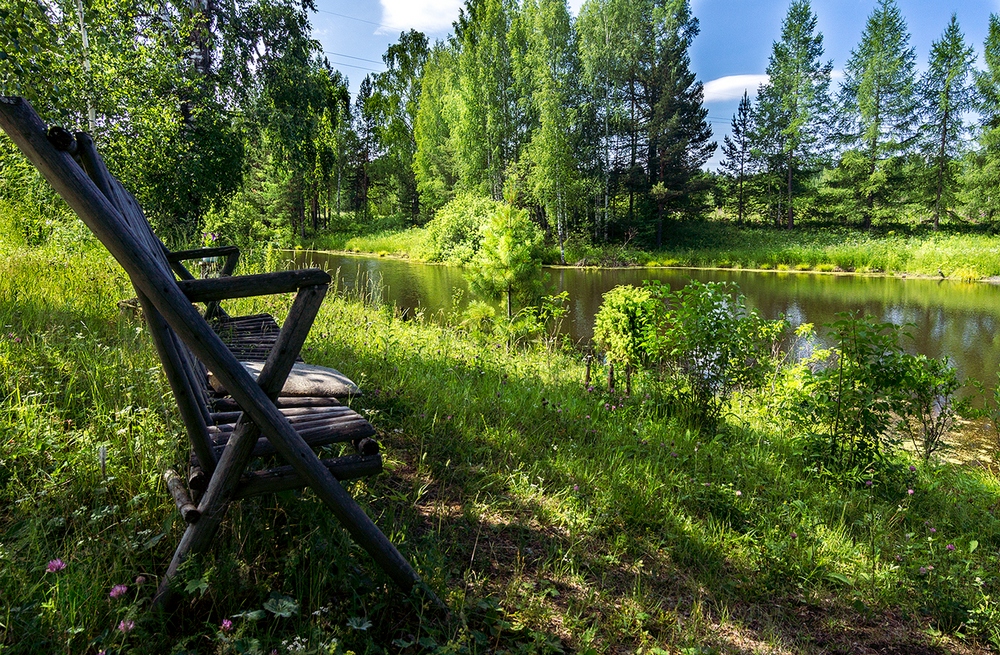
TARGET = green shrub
(705,336)
(456,231)
(622,322)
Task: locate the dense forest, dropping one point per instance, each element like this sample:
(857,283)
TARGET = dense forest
(226,117)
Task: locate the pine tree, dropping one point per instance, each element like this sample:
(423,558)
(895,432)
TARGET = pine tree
(798,87)
(946,93)
(736,147)
(877,104)
(981,179)
(679,136)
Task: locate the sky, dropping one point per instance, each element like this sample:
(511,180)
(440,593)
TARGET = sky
(729,55)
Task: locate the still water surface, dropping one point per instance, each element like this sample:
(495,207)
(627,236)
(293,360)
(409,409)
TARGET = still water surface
(954,319)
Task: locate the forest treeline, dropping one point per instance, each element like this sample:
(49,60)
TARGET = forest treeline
(226,116)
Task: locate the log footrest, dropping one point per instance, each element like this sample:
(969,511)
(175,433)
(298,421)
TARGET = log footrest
(283,478)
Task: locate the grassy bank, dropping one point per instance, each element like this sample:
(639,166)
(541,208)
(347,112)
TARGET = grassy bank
(550,517)
(964,256)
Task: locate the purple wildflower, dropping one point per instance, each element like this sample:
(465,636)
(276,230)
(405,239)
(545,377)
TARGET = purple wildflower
(126,625)
(140,580)
(868,483)
(55,566)
(576,487)
(909,491)
(118,591)
(912,468)
(950,546)
(227,625)
(794,536)
(933,530)
(923,571)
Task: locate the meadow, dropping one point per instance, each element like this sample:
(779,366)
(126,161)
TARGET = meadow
(963,255)
(550,516)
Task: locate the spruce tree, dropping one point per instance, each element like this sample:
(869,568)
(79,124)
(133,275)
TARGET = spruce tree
(679,136)
(736,147)
(981,182)
(946,93)
(798,88)
(877,104)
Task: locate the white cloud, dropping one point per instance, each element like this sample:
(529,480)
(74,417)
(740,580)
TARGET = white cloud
(732,87)
(425,15)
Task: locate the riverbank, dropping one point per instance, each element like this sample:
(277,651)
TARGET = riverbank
(960,256)
(550,517)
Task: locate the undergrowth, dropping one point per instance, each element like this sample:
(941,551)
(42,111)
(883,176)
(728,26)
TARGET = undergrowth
(550,517)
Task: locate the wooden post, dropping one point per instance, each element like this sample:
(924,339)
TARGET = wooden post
(611,377)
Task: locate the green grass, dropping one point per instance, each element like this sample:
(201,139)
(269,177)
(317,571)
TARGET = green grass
(960,255)
(549,517)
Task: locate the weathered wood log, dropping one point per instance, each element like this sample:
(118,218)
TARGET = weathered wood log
(177,489)
(245,286)
(197,253)
(284,403)
(283,478)
(197,478)
(294,414)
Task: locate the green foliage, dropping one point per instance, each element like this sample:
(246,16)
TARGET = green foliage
(455,233)
(622,323)
(870,390)
(508,264)
(928,414)
(706,336)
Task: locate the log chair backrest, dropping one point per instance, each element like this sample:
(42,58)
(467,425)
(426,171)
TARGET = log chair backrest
(183,339)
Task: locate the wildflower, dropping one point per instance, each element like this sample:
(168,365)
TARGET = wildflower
(227,625)
(950,546)
(126,625)
(868,483)
(447,418)
(576,487)
(794,536)
(899,558)
(912,468)
(738,493)
(933,530)
(923,571)
(118,591)
(588,415)
(909,491)
(140,580)
(55,566)
(673,454)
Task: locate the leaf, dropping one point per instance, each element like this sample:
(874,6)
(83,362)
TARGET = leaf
(283,606)
(839,577)
(973,545)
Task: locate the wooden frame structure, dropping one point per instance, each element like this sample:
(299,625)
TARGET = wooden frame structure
(253,421)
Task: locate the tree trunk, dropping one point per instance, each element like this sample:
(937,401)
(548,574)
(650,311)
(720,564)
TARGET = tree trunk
(791,219)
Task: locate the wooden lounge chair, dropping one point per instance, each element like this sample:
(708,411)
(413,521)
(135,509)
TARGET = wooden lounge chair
(252,420)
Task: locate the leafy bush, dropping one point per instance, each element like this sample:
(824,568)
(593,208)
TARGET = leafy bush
(456,231)
(928,394)
(705,335)
(621,324)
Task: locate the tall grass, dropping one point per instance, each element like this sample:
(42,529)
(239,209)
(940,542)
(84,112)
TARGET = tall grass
(549,517)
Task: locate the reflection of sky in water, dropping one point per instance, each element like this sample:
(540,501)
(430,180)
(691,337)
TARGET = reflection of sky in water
(954,319)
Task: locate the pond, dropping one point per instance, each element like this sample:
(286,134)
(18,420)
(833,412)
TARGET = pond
(954,319)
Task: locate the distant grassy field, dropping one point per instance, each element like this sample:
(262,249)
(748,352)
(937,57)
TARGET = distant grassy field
(549,517)
(958,256)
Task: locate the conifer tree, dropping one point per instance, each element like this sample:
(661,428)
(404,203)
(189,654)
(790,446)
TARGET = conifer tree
(878,106)
(679,134)
(736,147)
(946,93)
(982,175)
(798,88)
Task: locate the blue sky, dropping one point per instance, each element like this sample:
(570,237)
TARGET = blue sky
(729,55)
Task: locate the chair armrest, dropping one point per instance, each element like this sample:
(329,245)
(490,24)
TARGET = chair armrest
(198,253)
(244,286)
